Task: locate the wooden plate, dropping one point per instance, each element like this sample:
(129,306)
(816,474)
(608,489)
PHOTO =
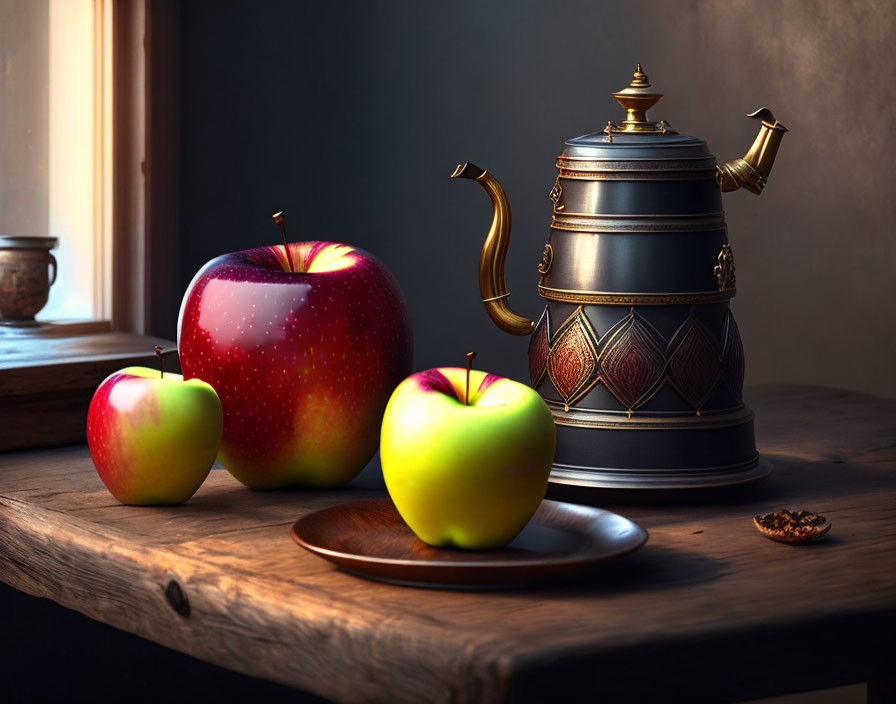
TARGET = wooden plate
(370,539)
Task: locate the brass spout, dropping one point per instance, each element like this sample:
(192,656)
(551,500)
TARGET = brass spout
(494,251)
(752,171)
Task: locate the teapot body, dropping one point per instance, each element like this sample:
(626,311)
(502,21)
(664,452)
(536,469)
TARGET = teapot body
(637,352)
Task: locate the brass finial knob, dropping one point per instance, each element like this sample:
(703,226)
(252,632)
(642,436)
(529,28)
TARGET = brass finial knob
(640,79)
(636,99)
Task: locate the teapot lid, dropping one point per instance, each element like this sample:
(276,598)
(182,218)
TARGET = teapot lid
(636,137)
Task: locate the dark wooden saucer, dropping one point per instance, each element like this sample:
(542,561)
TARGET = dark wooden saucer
(370,539)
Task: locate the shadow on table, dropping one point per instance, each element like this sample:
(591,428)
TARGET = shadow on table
(652,568)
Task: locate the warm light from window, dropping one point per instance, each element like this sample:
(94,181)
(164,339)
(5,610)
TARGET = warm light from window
(55,142)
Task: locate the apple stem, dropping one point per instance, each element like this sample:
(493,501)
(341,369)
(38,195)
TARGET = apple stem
(470,356)
(281,221)
(158,350)
(159,353)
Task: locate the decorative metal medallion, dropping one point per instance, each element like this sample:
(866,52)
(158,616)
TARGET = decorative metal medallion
(632,363)
(733,357)
(555,195)
(724,270)
(694,362)
(572,359)
(539,346)
(547,258)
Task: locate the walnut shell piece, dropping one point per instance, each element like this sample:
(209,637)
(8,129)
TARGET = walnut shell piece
(791,526)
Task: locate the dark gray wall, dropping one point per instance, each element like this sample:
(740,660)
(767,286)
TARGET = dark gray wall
(351,116)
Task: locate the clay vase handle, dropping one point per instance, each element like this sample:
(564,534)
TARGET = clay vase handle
(53,269)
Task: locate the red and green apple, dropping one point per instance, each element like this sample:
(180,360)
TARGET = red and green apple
(304,351)
(153,438)
(466,469)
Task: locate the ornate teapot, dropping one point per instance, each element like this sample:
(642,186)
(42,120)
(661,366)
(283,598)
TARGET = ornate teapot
(637,353)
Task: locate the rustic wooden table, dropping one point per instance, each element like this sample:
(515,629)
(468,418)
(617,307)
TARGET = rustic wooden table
(708,610)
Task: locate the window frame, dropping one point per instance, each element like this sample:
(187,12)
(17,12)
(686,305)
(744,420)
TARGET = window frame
(145,222)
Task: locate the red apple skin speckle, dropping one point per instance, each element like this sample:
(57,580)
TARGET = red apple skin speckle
(304,363)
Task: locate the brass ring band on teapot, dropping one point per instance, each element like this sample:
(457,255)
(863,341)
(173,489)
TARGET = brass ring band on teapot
(609,298)
(588,222)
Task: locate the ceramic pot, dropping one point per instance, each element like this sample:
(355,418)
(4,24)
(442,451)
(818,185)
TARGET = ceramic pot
(27,270)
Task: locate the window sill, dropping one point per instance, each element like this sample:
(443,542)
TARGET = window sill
(48,328)
(48,376)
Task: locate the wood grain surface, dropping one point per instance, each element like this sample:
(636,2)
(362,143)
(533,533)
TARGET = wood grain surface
(708,610)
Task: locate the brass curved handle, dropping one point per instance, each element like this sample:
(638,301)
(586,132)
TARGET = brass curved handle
(494,251)
(53,267)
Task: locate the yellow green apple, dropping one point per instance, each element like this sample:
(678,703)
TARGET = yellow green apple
(466,463)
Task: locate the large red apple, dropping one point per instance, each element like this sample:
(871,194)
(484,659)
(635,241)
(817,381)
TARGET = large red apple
(304,361)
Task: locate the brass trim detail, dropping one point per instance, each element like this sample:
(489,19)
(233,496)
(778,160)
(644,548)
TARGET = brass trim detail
(583,418)
(737,173)
(578,163)
(584,222)
(494,251)
(724,270)
(653,175)
(720,215)
(634,299)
